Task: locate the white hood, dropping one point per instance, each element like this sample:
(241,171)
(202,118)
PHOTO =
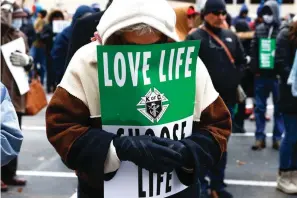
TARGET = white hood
(123,13)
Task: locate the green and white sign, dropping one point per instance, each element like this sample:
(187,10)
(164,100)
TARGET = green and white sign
(147,90)
(267,53)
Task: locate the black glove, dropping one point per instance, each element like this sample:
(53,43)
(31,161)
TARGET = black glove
(178,146)
(148,152)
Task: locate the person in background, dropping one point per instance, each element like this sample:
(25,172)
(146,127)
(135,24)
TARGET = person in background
(243,15)
(83,31)
(185,21)
(247,80)
(40,21)
(47,37)
(258,20)
(11,135)
(192,16)
(60,47)
(220,68)
(38,48)
(266,80)
(28,28)
(285,57)
(10,15)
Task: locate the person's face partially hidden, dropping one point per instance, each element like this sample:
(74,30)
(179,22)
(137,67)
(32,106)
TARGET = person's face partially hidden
(216,19)
(132,38)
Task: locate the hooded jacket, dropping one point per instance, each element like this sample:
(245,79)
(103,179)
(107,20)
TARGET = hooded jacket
(74,117)
(243,9)
(263,31)
(60,46)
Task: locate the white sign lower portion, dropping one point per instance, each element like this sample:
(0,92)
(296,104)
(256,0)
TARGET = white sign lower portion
(134,182)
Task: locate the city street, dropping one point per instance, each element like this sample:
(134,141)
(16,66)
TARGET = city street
(249,174)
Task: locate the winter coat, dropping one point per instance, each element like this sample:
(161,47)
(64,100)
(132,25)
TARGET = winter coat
(9,34)
(284,58)
(263,31)
(11,136)
(74,125)
(220,68)
(244,8)
(60,47)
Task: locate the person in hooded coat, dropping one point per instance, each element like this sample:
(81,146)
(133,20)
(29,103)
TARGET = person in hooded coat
(74,125)
(60,46)
(266,80)
(243,15)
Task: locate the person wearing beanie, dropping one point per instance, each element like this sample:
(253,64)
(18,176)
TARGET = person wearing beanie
(10,31)
(130,165)
(266,80)
(228,64)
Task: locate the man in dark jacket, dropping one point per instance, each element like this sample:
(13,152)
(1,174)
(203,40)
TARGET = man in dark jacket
(60,47)
(47,36)
(262,54)
(220,68)
(83,31)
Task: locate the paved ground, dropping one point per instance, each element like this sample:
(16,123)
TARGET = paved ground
(49,178)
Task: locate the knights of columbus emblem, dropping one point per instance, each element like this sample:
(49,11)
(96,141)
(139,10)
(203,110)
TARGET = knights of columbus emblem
(153,107)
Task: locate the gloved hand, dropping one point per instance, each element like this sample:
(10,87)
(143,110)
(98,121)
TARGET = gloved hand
(148,152)
(179,147)
(20,59)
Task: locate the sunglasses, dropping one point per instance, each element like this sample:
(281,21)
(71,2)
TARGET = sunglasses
(217,13)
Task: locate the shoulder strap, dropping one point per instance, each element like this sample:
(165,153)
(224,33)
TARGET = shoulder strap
(215,37)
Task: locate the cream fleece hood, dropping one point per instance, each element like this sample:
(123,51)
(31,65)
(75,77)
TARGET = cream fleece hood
(123,13)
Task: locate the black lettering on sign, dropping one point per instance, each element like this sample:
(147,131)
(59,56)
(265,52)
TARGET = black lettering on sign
(151,183)
(165,133)
(175,128)
(141,192)
(150,132)
(120,132)
(130,132)
(168,186)
(159,181)
(184,124)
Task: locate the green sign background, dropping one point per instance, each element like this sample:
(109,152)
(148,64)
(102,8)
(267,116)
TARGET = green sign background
(119,104)
(267,53)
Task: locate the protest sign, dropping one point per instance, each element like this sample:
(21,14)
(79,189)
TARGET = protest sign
(267,53)
(147,90)
(19,74)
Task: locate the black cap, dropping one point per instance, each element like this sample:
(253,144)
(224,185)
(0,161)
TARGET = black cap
(214,5)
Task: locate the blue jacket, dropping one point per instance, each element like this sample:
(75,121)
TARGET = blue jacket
(60,47)
(11,137)
(243,9)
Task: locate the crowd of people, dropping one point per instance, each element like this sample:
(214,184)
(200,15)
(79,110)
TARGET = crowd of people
(257,56)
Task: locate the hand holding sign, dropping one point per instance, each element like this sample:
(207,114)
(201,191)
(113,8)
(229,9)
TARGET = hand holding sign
(148,152)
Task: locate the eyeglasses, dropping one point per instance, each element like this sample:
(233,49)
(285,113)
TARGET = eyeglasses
(217,13)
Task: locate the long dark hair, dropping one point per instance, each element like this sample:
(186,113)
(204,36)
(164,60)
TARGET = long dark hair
(293,33)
